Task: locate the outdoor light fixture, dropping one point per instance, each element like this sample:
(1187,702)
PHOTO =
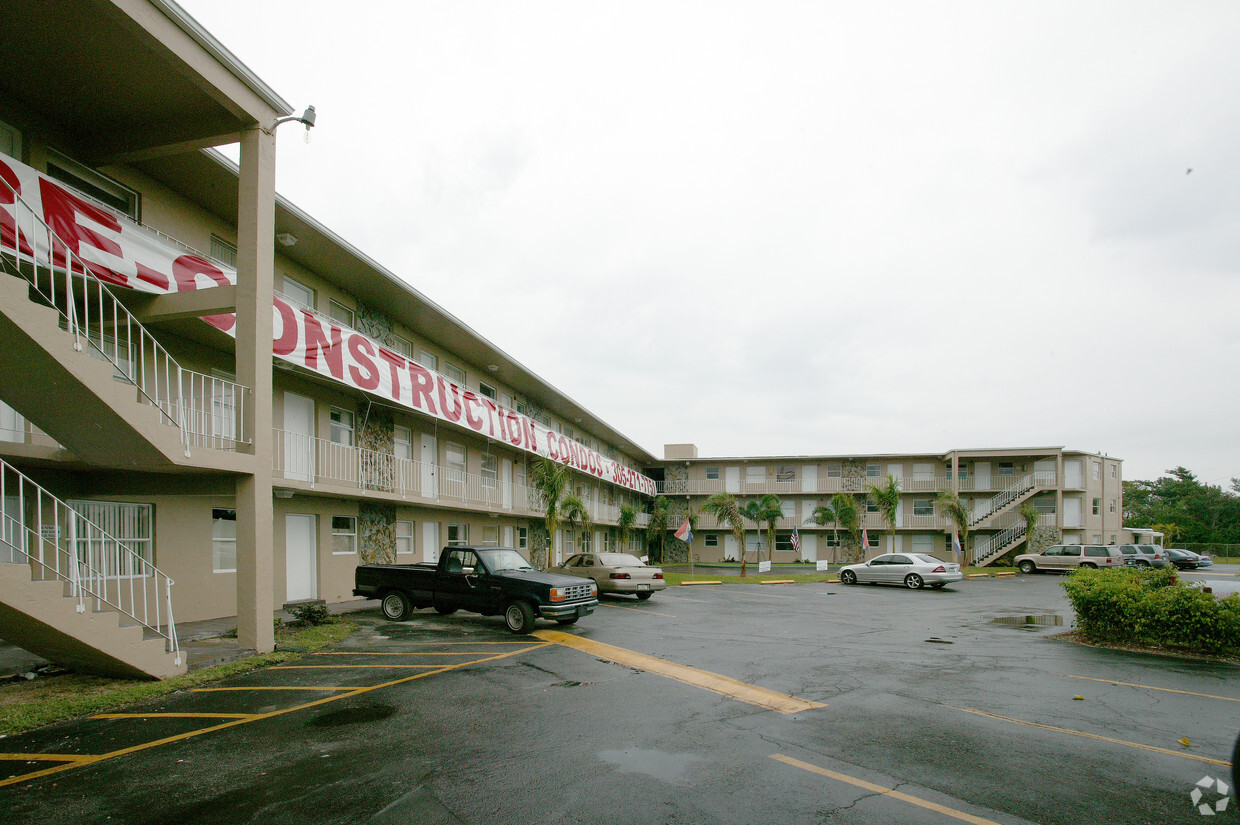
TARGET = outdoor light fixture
(282,493)
(286,238)
(493,367)
(307,117)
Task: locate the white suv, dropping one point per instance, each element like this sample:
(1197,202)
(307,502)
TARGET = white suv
(1066,557)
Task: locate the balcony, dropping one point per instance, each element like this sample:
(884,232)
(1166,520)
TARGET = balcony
(832,485)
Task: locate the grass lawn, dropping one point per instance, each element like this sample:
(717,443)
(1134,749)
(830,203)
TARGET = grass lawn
(25,705)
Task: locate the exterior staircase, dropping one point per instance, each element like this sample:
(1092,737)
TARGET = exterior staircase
(72,593)
(994,547)
(1017,492)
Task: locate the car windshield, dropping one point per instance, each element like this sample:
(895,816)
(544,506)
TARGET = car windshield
(928,559)
(619,560)
(504,559)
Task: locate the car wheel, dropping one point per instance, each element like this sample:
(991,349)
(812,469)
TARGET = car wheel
(645,594)
(396,606)
(1028,567)
(913,582)
(848,577)
(573,620)
(1089,565)
(444,611)
(519,617)
(1142,563)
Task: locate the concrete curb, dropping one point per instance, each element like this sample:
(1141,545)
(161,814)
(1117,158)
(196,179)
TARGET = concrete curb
(688,584)
(778,581)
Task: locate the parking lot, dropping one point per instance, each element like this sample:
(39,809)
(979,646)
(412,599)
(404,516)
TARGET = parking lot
(733,704)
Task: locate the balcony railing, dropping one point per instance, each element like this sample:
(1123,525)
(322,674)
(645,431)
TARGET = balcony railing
(832,485)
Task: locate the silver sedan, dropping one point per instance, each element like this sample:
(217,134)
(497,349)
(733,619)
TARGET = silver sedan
(614,573)
(913,570)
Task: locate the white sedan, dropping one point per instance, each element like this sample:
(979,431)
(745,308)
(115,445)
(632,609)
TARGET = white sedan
(913,570)
(614,573)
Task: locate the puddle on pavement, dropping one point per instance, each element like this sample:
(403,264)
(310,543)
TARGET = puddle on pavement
(1031,622)
(669,767)
(353,716)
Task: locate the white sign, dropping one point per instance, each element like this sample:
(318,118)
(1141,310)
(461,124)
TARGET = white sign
(764,567)
(824,566)
(123,254)
(51,532)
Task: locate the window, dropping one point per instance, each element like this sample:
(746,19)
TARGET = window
(1112,508)
(454,373)
(402,442)
(458,534)
(923,472)
(923,507)
(490,466)
(835,471)
(342,427)
(404,538)
(505,401)
(521,408)
(1097,470)
(783,542)
(1097,508)
(95,186)
(1006,468)
(401,346)
(12,424)
(298,294)
(1114,470)
(344,535)
(755,475)
(131,524)
(454,462)
(488,391)
(223,251)
(789,508)
(586,536)
(224,541)
(785,472)
(523,538)
(1045,504)
(923,543)
(428,360)
(566,431)
(120,356)
(340,313)
(1097,538)
(490,536)
(873,470)
(712,473)
(871,506)
(873,537)
(712,539)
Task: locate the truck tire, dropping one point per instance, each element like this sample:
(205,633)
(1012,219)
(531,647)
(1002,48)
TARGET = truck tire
(519,617)
(396,606)
(444,611)
(1027,567)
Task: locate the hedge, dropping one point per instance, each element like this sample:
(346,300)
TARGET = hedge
(1152,607)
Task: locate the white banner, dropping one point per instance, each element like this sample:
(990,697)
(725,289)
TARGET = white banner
(121,253)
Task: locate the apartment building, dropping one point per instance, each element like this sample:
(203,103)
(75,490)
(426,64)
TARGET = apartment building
(1078,496)
(212,404)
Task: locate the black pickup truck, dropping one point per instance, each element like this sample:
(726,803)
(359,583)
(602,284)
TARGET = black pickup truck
(492,581)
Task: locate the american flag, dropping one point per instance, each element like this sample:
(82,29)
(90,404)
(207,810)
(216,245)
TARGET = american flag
(796,540)
(865,539)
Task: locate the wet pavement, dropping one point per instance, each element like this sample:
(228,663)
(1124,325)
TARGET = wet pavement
(930,706)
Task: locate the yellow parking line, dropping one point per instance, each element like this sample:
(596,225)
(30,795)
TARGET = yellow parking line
(428,653)
(1096,736)
(690,584)
(348,692)
(173,716)
(639,609)
(266,687)
(781,702)
(890,792)
(44,757)
(347,667)
(1150,687)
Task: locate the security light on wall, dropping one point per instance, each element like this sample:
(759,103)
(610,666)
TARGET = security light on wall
(286,238)
(307,117)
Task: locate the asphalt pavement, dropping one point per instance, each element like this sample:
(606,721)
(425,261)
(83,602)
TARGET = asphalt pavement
(957,705)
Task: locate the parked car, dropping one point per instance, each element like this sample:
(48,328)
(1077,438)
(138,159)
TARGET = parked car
(913,570)
(1183,559)
(1202,559)
(1066,557)
(614,573)
(1143,555)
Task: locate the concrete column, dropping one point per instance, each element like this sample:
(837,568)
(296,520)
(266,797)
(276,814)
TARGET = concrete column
(255,262)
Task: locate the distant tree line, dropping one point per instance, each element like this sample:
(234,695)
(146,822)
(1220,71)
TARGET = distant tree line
(1185,510)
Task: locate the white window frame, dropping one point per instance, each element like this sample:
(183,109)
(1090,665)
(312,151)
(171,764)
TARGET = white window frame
(488,391)
(923,507)
(223,251)
(402,442)
(835,471)
(755,474)
(298,293)
(406,537)
(712,473)
(458,534)
(429,360)
(490,471)
(121,520)
(341,426)
(344,535)
(84,178)
(223,546)
(711,539)
(341,314)
(402,347)
(454,469)
(454,373)
(523,538)
(873,471)
(490,535)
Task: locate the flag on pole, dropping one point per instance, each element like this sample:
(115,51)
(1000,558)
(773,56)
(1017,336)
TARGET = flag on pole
(796,539)
(685,534)
(865,539)
(956,543)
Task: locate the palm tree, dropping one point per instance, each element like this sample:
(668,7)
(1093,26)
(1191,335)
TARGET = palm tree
(766,509)
(724,508)
(551,480)
(624,524)
(824,514)
(954,508)
(1030,514)
(848,517)
(658,524)
(887,497)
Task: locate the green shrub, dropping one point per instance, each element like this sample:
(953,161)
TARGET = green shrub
(1152,607)
(309,614)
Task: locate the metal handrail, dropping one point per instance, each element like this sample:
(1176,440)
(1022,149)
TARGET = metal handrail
(206,410)
(998,542)
(61,544)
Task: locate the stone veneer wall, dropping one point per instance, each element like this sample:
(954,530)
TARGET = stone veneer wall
(377,532)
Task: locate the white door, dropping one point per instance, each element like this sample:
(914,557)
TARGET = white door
(508,536)
(1072,512)
(298,437)
(430,541)
(896,471)
(300,557)
(505,480)
(732,479)
(1072,475)
(981,475)
(729,547)
(809,478)
(809,546)
(430,469)
(12,425)
(1044,471)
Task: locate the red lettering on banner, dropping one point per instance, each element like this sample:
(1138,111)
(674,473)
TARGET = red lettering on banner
(316,341)
(444,387)
(470,402)
(363,354)
(423,386)
(187,268)
(152,276)
(287,342)
(529,435)
(222,322)
(492,408)
(552,453)
(11,236)
(60,211)
(514,429)
(565,455)
(396,365)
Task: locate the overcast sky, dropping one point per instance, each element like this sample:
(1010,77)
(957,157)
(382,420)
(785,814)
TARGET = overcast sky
(776,228)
